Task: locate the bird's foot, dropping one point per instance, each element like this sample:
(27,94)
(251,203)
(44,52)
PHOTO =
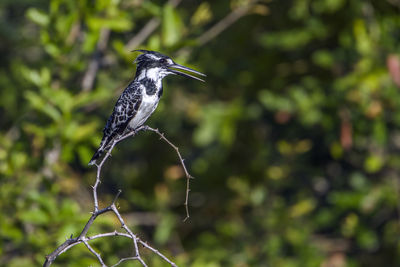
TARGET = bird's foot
(130,131)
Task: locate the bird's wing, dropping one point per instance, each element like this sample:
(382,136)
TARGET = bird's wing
(125,109)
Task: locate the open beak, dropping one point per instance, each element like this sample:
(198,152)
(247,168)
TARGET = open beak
(175,69)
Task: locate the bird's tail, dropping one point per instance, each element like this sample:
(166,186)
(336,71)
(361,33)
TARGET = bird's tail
(96,155)
(100,150)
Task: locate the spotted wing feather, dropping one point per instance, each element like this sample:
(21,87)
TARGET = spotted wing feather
(124,110)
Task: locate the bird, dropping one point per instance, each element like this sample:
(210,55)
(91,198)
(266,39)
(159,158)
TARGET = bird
(140,98)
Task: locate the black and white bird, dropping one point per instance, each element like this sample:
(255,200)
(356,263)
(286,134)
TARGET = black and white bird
(141,97)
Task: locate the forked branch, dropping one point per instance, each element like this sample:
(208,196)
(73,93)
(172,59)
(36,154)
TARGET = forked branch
(83,238)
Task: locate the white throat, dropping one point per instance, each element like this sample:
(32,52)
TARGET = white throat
(155,74)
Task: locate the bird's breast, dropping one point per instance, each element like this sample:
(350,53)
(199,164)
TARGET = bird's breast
(148,105)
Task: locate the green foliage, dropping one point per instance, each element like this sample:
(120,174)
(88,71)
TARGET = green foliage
(293,140)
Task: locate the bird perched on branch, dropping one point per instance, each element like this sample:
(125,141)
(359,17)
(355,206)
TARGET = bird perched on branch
(140,98)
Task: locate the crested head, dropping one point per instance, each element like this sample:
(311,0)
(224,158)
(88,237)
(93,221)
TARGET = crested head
(152,65)
(155,66)
(152,59)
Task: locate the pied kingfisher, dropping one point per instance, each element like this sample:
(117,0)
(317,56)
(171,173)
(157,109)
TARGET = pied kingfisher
(140,98)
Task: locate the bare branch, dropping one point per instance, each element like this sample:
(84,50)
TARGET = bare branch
(225,23)
(94,252)
(51,257)
(143,34)
(157,252)
(94,64)
(116,233)
(188,176)
(147,30)
(134,238)
(116,196)
(162,136)
(82,238)
(124,259)
(220,26)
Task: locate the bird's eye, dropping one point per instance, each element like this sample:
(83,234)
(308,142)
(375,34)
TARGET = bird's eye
(163,61)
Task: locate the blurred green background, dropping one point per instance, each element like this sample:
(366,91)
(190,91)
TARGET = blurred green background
(294,140)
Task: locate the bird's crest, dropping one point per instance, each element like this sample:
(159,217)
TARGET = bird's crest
(148,54)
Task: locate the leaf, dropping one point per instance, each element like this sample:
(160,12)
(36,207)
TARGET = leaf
(202,15)
(42,105)
(116,24)
(35,216)
(172,26)
(373,163)
(38,16)
(164,229)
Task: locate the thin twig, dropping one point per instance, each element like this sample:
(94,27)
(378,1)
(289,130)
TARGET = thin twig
(94,253)
(162,136)
(133,236)
(188,176)
(124,259)
(144,244)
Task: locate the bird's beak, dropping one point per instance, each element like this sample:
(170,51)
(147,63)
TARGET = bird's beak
(175,69)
